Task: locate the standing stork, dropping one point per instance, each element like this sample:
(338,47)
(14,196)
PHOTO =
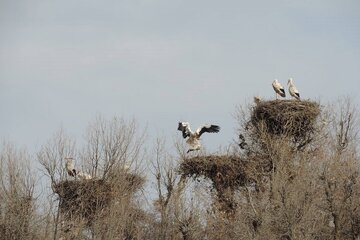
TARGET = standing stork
(69,165)
(292,89)
(279,89)
(194,137)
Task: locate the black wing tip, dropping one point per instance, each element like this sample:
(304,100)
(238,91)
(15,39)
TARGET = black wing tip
(179,126)
(182,129)
(282,92)
(215,128)
(184,134)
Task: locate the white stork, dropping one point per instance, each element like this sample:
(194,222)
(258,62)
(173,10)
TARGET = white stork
(83,175)
(69,165)
(257,100)
(279,89)
(292,89)
(194,137)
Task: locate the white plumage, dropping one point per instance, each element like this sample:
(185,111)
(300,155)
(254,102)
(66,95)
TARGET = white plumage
(126,167)
(194,137)
(257,100)
(69,165)
(84,176)
(293,90)
(279,89)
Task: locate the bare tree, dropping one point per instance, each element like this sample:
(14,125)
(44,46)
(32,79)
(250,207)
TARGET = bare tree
(345,125)
(17,203)
(52,156)
(178,219)
(112,144)
(111,147)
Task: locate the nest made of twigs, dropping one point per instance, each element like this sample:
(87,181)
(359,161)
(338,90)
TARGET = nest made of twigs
(83,198)
(86,198)
(286,117)
(224,171)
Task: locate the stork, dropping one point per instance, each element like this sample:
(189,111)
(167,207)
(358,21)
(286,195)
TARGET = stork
(257,100)
(84,176)
(292,89)
(194,137)
(279,89)
(69,165)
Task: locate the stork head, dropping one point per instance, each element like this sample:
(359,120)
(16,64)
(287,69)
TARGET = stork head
(290,81)
(69,159)
(257,99)
(276,81)
(182,125)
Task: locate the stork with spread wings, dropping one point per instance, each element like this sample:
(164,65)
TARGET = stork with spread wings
(194,137)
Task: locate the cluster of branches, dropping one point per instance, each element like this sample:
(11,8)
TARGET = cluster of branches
(276,189)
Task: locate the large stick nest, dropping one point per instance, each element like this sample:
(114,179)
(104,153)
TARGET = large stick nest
(86,198)
(286,117)
(223,171)
(83,198)
(227,174)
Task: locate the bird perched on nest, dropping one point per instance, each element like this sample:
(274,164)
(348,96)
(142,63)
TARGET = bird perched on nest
(292,89)
(257,100)
(279,89)
(69,165)
(194,137)
(84,176)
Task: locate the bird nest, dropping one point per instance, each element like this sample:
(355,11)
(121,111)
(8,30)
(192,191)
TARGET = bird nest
(86,198)
(286,117)
(83,198)
(223,171)
(227,173)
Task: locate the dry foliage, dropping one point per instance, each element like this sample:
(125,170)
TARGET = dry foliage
(293,175)
(17,203)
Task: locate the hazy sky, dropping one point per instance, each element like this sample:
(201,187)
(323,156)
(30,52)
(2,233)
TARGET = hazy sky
(161,61)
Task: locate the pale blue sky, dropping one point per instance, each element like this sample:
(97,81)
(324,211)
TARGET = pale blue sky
(160,61)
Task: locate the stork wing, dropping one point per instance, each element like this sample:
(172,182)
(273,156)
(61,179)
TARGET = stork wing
(294,92)
(185,129)
(282,90)
(297,94)
(279,88)
(208,128)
